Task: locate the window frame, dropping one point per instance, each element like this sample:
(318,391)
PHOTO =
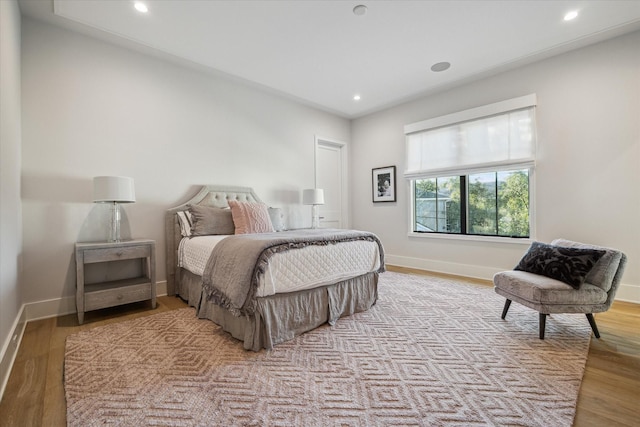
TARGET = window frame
(475,237)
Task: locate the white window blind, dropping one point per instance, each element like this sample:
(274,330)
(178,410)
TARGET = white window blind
(489,137)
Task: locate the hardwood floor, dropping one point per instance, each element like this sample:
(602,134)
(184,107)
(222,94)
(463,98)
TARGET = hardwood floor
(34,396)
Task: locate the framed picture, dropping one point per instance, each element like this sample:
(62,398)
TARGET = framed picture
(384,184)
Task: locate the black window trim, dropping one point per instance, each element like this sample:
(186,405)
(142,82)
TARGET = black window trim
(463,214)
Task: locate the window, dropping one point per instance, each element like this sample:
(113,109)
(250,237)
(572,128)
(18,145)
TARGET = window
(470,172)
(486,204)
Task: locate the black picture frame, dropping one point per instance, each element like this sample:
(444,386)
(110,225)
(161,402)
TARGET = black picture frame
(383,184)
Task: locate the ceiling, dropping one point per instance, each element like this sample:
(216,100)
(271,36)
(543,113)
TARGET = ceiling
(322,54)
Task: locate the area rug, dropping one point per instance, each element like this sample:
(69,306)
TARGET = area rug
(431,352)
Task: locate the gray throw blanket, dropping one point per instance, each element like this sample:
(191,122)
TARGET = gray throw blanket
(230,278)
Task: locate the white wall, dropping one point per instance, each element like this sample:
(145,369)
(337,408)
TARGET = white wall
(91,108)
(588,167)
(10,206)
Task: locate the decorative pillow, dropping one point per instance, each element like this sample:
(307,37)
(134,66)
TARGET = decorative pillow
(184,219)
(250,217)
(277,219)
(569,265)
(207,220)
(603,273)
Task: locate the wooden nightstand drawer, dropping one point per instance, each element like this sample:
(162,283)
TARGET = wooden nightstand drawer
(104,255)
(116,293)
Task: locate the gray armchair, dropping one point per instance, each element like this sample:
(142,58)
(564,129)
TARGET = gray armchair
(547,295)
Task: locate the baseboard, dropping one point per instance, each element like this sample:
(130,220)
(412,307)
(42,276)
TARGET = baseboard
(161,288)
(626,292)
(50,308)
(66,305)
(466,270)
(10,348)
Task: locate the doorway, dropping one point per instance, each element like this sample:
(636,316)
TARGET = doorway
(331,176)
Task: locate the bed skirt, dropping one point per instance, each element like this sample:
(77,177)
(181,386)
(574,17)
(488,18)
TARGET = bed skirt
(282,317)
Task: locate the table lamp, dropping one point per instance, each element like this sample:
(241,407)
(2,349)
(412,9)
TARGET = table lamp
(114,190)
(313,197)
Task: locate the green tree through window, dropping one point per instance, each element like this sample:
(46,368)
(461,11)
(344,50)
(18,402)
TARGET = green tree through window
(490,203)
(513,203)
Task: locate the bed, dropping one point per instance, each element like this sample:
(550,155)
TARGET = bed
(300,279)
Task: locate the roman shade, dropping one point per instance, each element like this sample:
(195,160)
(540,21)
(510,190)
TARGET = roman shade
(486,138)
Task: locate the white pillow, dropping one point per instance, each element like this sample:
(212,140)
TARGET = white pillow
(185,221)
(277,219)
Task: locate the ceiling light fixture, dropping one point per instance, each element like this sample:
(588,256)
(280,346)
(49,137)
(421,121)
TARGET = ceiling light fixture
(356,97)
(440,66)
(571,15)
(141,7)
(360,10)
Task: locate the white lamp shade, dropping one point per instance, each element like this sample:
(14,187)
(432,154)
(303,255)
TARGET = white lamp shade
(313,196)
(113,189)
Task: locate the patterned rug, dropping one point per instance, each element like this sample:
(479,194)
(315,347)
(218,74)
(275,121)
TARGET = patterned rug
(431,352)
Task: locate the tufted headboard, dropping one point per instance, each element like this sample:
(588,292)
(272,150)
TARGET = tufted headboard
(209,195)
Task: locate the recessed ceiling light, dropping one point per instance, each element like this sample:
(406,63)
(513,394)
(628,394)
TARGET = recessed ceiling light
(571,15)
(440,66)
(141,7)
(356,97)
(360,10)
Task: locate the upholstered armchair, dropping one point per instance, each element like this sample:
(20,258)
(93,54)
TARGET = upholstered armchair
(585,287)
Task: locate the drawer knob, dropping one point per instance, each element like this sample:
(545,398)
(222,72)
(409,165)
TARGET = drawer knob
(120,296)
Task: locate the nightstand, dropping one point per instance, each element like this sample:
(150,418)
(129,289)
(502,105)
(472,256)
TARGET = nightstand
(95,296)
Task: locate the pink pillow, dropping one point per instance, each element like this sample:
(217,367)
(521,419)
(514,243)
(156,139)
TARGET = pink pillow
(250,217)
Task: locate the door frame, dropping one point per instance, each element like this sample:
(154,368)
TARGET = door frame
(345,216)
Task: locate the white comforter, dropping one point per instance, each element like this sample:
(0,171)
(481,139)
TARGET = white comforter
(293,270)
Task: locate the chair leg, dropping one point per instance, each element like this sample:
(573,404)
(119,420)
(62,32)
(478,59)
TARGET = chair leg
(592,322)
(507,303)
(543,322)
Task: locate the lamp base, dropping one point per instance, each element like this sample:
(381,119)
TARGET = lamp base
(114,229)
(315,220)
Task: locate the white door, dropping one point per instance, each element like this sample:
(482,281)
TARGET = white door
(331,168)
